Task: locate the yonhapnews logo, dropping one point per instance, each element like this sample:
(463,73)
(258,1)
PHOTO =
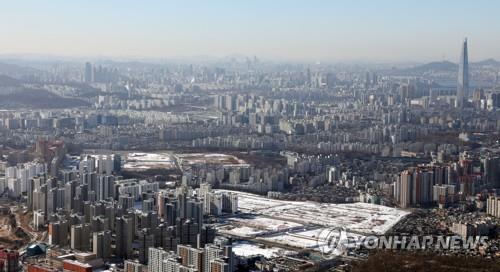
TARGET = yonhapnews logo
(338,241)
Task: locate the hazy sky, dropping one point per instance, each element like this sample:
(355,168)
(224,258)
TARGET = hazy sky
(360,30)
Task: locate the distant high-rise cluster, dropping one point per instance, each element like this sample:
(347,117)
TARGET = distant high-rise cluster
(89,72)
(447,183)
(98,74)
(232,164)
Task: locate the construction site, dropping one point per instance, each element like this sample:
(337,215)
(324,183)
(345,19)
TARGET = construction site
(15,229)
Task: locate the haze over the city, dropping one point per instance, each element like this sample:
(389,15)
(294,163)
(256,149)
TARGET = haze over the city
(280,30)
(257,135)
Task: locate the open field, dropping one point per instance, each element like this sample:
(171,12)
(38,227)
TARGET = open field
(357,217)
(301,224)
(135,161)
(248,249)
(142,161)
(185,160)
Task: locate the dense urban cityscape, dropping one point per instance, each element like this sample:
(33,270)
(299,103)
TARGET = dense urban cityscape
(243,163)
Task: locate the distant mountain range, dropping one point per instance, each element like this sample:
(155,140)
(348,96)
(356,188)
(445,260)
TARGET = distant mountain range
(437,65)
(448,66)
(13,94)
(37,99)
(16,71)
(6,81)
(488,62)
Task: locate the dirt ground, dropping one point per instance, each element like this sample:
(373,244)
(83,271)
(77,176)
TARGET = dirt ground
(15,230)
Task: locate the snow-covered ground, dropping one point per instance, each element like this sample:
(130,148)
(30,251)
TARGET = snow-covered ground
(144,161)
(249,249)
(303,225)
(210,158)
(312,238)
(240,231)
(252,226)
(362,218)
(264,223)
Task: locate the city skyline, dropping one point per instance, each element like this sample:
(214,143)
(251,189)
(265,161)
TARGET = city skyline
(232,136)
(337,31)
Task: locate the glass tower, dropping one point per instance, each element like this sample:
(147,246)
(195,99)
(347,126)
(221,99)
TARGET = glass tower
(463,77)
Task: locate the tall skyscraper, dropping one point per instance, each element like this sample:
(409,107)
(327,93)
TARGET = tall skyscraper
(463,77)
(89,72)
